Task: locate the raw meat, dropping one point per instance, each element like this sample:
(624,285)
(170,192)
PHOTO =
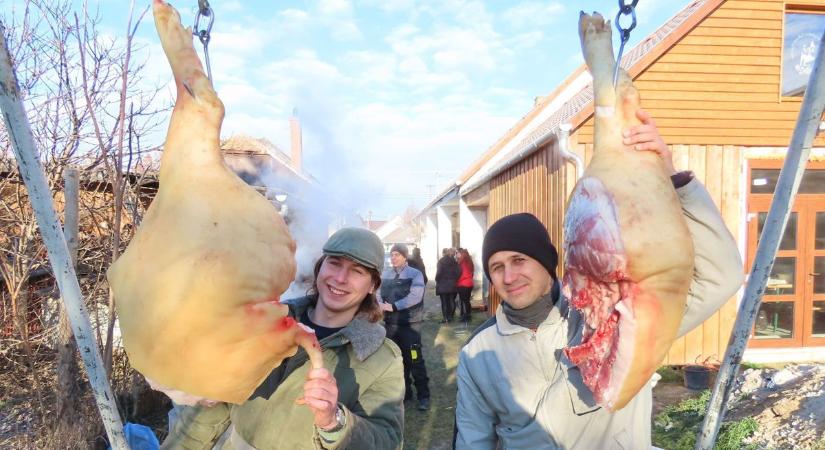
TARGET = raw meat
(628,252)
(197,290)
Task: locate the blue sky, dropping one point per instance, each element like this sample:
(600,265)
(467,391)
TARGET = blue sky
(396,97)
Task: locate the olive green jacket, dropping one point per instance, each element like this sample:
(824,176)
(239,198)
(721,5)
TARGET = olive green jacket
(369,373)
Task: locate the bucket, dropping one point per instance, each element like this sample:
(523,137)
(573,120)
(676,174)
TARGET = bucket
(697,377)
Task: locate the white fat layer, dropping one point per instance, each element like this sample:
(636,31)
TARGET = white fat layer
(624,351)
(306,328)
(605,111)
(180,397)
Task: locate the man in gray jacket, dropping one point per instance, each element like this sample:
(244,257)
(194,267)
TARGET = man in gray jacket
(402,298)
(516,389)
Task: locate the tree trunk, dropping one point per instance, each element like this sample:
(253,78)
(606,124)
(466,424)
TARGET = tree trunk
(68,374)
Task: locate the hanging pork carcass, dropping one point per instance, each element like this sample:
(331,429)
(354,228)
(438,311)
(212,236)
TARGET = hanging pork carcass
(197,290)
(628,252)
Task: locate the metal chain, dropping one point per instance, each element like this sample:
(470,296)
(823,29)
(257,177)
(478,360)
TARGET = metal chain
(625,9)
(203,35)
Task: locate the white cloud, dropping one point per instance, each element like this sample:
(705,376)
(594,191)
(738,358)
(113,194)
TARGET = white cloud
(345,30)
(302,68)
(232,6)
(335,7)
(450,48)
(532,14)
(372,67)
(292,14)
(391,5)
(525,41)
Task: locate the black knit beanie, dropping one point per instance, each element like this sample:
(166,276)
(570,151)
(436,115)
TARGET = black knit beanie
(522,233)
(401,248)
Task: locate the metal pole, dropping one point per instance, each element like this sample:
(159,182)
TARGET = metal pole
(790,176)
(28,164)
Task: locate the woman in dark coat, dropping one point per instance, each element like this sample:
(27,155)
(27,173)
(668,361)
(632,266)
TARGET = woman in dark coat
(446,277)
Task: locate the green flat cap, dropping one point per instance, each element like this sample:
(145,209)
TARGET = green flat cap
(358,244)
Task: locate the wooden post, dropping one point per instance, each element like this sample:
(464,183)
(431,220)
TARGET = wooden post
(20,135)
(67,370)
(807,124)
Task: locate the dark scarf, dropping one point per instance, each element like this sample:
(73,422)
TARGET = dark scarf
(533,315)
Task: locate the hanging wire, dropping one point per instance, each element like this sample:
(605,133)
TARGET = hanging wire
(204,10)
(625,9)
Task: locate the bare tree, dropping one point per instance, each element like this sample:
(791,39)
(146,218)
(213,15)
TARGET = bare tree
(110,140)
(89,107)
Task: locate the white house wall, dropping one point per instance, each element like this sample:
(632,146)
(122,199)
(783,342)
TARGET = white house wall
(445,226)
(472,225)
(429,243)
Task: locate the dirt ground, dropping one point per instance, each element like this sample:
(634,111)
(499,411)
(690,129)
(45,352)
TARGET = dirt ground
(787,402)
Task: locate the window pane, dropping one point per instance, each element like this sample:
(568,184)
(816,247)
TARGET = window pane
(819,275)
(813,182)
(788,241)
(819,319)
(774,321)
(819,242)
(783,275)
(763,181)
(800,44)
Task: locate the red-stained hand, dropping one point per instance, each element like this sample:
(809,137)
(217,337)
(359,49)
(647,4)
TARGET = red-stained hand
(385,306)
(321,395)
(646,137)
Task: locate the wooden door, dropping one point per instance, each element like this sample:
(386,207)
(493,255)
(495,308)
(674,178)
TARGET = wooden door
(792,313)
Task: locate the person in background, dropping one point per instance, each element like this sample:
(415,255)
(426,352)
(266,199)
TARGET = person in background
(446,277)
(402,299)
(415,261)
(465,284)
(354,402)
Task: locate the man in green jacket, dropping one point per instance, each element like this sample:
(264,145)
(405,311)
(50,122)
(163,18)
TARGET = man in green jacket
(355,404)
(516,389)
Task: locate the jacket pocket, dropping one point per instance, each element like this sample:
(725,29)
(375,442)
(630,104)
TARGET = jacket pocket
(621,441)
(531,435)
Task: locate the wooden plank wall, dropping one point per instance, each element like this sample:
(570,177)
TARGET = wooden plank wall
(719,168)
(721,83)
(537,184)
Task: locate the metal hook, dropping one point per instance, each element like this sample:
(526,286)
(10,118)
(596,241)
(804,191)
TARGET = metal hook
(204,35)
(624,33)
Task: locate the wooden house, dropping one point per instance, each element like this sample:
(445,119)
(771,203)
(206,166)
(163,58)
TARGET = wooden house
(724,81)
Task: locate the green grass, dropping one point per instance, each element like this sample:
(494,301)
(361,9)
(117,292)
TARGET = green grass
(670,374)
(676,427)
(746,365)
(433,429)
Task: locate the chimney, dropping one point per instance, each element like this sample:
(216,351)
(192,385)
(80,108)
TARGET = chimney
(297,151)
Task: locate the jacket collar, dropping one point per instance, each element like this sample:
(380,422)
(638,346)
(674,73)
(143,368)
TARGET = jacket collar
(366,337)
(558,313)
